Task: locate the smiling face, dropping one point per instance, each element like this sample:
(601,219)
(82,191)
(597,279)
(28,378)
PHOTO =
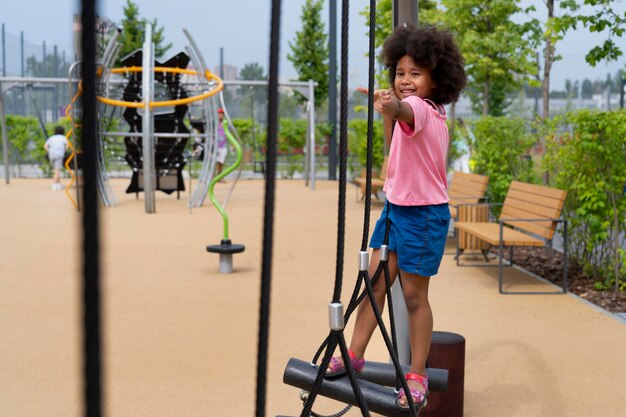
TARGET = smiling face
(412,79)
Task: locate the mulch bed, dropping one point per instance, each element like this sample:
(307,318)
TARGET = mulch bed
(549,265)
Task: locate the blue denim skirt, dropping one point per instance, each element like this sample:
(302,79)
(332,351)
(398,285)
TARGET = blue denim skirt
(417,234)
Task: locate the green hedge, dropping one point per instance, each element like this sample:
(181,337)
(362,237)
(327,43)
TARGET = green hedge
(357,143)
(586,156)
(500,151)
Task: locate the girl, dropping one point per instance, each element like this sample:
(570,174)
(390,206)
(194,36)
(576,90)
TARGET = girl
(426,72)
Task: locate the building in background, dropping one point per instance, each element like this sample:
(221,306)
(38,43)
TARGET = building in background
(231,72)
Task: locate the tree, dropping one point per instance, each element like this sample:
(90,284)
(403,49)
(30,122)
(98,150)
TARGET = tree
(587,88)
(499,53)
(252,71)
(602,17)
(50,66)
(105,28)
(252,94)
(309,50)
(133,30)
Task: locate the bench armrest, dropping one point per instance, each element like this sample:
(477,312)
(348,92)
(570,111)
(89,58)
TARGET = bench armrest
(501,222)
(545,219)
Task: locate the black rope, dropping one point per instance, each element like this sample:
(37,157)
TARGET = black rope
(370,124)
(343,152)
(268,220)
(336,336)
(337,414)
(396,16)
(91,260)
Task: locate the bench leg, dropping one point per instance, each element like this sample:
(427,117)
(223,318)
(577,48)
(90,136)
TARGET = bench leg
(500,260)
(565,257)
(458,250)
(500,270)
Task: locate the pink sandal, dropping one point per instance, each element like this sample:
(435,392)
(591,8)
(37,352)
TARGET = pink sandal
(337,369)
(419,398)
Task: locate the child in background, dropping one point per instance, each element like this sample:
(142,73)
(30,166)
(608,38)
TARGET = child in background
(222,150)
(426,71)
(56,146)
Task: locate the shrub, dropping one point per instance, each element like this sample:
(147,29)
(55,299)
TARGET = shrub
(500,151)
(588,159)
(357,143)
(26,141)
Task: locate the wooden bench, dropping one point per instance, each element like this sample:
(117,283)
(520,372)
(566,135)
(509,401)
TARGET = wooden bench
(529,217)
(465,191)
(466,188)
(377,183)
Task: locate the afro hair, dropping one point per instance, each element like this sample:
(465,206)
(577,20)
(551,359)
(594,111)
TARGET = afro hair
(431,48)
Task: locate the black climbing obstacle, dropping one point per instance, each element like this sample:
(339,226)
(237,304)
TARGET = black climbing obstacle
(169,159)
(385,374)
(379,396)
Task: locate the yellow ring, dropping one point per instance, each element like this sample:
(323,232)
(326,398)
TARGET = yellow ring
(140,105)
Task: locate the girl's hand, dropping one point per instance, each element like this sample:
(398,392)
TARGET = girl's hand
(384,101)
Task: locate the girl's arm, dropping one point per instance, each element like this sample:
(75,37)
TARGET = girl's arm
(395,109)
(390,106)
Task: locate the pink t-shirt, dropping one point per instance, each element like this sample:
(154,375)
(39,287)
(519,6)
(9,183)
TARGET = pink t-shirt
(416,170)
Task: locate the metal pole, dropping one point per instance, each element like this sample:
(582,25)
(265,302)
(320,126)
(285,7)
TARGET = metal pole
(148,123)
(621,91)
(5,138)
(56,61)
(4,54)
(407,13)
(312,131)
(332,91)
(222,63)
(22,53)
(307,148)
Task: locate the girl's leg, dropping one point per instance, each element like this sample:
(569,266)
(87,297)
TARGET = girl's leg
(415,289)
(365,321)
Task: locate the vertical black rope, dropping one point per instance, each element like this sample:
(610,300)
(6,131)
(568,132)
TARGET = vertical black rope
(343,151)
(91,261)
(268,218)
(396,16)
(336,336)
(370,125)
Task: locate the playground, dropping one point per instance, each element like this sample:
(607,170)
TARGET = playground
(179,338)
(136,291)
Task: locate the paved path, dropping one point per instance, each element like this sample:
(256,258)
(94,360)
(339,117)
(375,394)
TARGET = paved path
(180,339)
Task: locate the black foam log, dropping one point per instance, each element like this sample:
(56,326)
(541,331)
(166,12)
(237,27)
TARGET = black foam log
(385,374)
(379,399)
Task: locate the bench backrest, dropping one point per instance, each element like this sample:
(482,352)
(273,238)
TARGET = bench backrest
(529,201)
(467,188)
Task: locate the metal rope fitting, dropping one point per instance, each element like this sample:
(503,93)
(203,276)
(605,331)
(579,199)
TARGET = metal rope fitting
(364,260)
(384,252)
(335,316)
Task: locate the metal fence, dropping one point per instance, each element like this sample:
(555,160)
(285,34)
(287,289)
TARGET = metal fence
(20,56)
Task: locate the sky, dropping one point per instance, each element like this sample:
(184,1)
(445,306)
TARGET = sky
(241,28)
